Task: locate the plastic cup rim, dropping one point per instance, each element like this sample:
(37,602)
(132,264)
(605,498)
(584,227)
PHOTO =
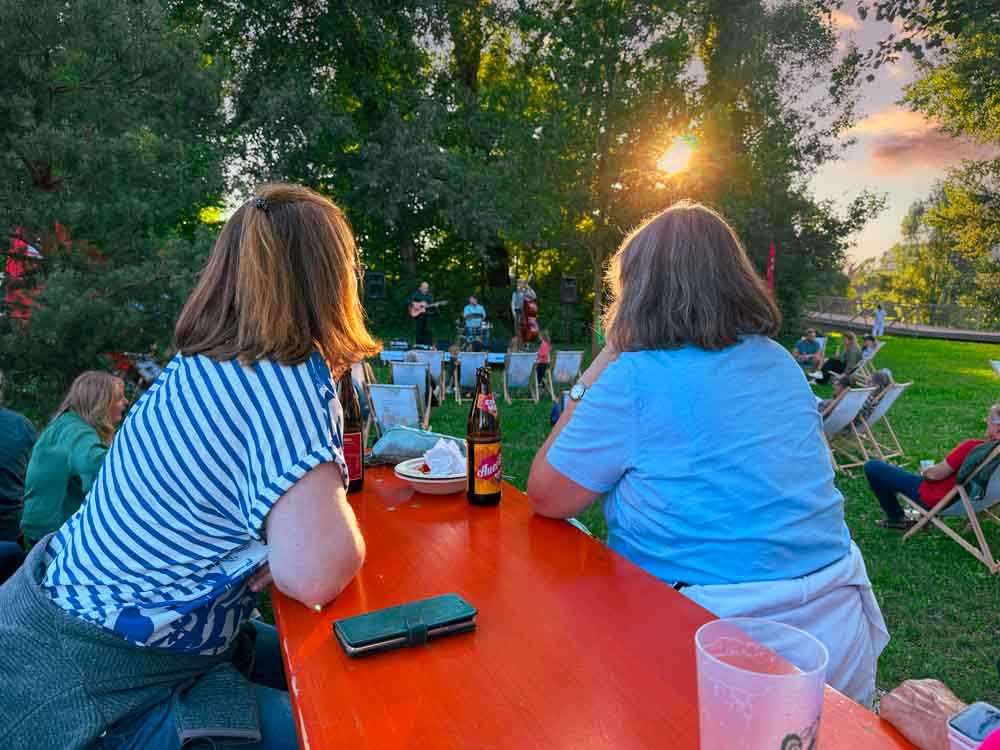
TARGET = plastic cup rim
(737,620)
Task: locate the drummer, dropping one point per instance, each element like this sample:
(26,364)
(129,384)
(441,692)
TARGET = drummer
(474,314)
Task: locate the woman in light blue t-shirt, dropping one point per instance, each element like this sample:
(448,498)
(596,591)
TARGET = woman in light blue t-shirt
(702,436)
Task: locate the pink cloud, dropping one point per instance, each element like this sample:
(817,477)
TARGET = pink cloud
(900,140)
(930,149)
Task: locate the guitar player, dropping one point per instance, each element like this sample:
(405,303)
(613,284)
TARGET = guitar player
(422,322)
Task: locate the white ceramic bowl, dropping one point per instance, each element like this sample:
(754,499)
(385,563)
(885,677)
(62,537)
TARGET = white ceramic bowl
(409,471)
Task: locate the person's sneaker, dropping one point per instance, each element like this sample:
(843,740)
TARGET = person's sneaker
(816,375)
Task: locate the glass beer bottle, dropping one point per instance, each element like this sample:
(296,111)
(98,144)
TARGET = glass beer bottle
(354,446)
(483,444)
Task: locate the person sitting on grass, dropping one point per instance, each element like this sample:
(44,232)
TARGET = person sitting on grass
(868,346)
(70,452)
(928,487)
(848,358)
(713,479)
(807,351)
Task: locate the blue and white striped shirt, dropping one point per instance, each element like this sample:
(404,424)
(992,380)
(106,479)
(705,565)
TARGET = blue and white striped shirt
(161,550)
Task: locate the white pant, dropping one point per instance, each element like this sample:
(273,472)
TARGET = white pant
(835,604)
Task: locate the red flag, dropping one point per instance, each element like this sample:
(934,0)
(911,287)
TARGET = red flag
(770,269)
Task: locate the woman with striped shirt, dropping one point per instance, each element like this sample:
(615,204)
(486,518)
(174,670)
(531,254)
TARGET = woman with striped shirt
(227,475)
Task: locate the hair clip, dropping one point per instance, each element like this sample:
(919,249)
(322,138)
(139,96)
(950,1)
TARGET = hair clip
(263,204)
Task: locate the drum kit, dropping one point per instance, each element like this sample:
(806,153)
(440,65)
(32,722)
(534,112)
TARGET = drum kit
(473,333)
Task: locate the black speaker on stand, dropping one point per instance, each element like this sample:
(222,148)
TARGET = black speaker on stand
(567,301)
(374,288)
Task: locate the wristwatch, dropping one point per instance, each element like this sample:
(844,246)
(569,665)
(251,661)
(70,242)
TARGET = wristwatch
(577,391)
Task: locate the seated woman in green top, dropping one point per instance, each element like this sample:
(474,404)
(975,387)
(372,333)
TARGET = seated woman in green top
(70,451)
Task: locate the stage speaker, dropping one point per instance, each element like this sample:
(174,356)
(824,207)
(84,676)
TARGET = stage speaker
(567,290)
(374,285)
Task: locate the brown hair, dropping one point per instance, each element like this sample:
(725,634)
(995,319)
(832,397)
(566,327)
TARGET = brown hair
(684,278)
(281,282)
(90,398)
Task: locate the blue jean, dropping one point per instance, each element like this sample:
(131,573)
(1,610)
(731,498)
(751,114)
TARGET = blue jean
(155,729)
(886,480)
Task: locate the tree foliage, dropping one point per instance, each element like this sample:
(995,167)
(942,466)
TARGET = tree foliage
(466,140)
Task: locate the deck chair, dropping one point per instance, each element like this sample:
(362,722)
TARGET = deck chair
(564,371)
(435,366)
(395,406)
(958,504)
(465,371)
(519,372)
(841,433)
(417,374)
(887,445)
(866,368)
(363,375)
(996,365)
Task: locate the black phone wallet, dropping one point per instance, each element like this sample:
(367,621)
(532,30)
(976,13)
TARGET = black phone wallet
(411,624)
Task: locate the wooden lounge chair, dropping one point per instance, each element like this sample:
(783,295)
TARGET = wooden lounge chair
(434,360)
(841,432)
(866,368)
(958,504)
(416,374)
(364,376)
(395,406)
(887,445)
(465,371)
(565,370)
(519,372)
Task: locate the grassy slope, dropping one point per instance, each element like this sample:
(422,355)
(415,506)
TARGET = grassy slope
(942,608)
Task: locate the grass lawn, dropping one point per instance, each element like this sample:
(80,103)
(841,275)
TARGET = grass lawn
(942,607)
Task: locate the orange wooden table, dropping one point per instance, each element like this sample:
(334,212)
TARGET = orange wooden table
(575,648)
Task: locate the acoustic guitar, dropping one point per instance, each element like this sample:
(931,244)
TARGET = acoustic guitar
(419,308)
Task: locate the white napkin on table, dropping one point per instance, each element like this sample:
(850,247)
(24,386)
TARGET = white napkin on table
(445,458)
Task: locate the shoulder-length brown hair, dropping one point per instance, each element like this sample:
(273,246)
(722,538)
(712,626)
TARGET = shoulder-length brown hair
(684,278)
(281,282)
(90,398)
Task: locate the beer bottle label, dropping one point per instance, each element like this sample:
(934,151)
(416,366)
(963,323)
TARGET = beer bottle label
(487,403)
(353,455)
(487,467)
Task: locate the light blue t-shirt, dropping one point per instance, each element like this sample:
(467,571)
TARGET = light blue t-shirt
(713,464)
(474,310)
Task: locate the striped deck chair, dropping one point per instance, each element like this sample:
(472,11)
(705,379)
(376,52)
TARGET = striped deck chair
(840,431)
(465,372)
(519,372)
(416,374)
(886,445)
(564,371)
(395,406)
(958,504)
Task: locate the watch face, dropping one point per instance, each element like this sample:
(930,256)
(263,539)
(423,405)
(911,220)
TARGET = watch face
(576,392)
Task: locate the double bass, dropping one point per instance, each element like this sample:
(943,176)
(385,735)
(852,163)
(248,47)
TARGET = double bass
(529,318)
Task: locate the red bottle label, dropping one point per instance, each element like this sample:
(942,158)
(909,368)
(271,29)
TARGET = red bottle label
(487,468)
(353,453)
(487,403)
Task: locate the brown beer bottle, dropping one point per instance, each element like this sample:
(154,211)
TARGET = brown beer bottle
(483,444)
(354,446)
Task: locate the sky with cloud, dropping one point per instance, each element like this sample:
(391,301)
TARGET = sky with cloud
(898,153)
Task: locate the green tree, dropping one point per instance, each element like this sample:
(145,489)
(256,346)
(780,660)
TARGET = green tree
(109,125)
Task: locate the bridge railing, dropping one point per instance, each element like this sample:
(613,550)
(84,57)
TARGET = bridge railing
(941,316)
